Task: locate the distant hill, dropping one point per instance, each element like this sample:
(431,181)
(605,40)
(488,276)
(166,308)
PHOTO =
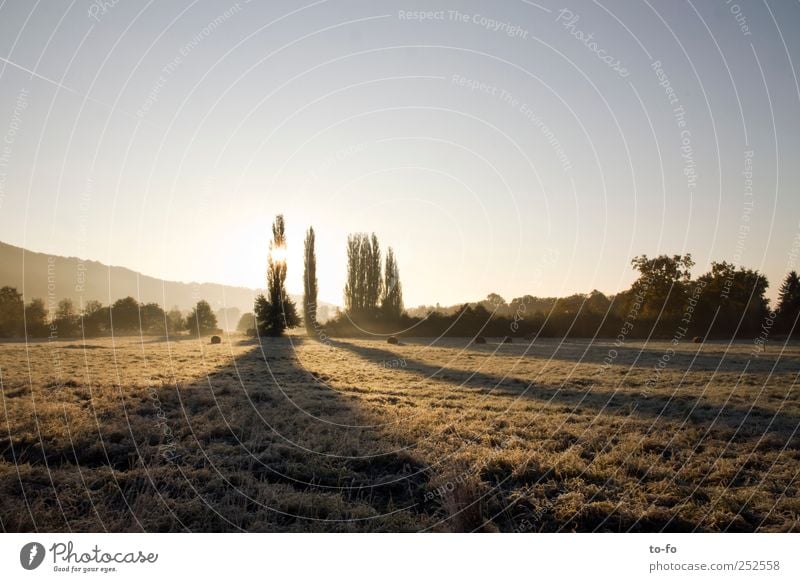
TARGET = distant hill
(70,277)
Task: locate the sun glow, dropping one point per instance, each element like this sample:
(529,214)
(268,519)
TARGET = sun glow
(278,254)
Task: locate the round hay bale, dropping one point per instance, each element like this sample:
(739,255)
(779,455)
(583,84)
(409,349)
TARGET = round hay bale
(507,340)
(215,339)
(697,340)
(392,340)
(479,340)
(251,332)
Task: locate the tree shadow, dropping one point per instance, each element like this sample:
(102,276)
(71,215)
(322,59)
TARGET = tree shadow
(708,356)
(258,444)
(750,422)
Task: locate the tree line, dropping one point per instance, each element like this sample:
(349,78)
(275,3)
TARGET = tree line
(123,317)
(664,302)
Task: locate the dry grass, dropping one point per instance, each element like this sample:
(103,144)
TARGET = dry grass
(355,435)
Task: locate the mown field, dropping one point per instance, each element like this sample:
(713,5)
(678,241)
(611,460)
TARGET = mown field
(292,434)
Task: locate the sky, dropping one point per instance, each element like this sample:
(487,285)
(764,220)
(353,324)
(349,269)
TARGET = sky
(514,147)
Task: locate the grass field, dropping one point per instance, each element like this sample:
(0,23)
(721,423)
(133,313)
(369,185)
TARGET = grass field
(293,434)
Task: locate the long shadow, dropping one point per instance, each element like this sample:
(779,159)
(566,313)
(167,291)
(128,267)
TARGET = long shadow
(701,357)
(258,444)
(750,422)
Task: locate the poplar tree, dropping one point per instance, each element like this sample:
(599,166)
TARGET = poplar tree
(310,282)
(276,311)
(392,299)
(364,285)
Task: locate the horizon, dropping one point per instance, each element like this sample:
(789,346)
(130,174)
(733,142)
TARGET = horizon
(771,293)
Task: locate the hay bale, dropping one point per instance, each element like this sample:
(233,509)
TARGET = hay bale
(479,340)
(393,340)
(251,332)
(697,340)
(215,339)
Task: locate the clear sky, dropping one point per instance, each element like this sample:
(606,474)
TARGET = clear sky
(511,147)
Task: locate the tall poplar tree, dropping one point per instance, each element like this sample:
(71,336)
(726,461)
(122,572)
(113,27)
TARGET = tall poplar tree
(310,282)
(276,311)
(392,299)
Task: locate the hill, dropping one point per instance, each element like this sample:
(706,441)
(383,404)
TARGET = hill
(44,276)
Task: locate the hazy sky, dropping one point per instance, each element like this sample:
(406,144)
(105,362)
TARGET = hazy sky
(512,147)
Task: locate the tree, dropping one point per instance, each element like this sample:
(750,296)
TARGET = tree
(364,283)
(125,315)
(66,318)
(94,318)
(597,303)
(201,320)
(788,307)
(662,287)
(392,300)
(152,317)
(175,321)
(354,287)
(732,302)
(494,301)
(372,276)
(36,319)
(277,311)
(246,321)
(310,282)
(11,313)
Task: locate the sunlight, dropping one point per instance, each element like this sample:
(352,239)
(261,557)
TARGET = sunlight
(278,254)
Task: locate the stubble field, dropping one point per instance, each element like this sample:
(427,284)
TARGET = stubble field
(292,434)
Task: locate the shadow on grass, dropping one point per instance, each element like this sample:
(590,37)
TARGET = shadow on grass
(706,357)
(752,421)
(255,445)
